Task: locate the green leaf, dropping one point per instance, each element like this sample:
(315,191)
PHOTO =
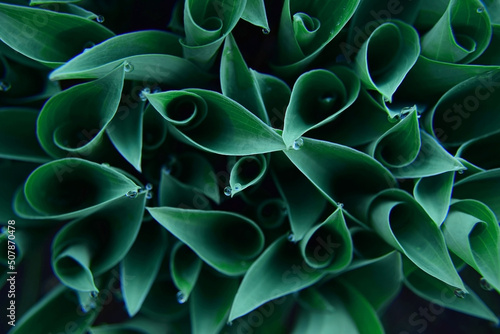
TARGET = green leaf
(18,135)
(188,180)
(89,246)
(140,266)
(161,304)
(185,268)
(125,130)
(490,55)
(226,241)
(403,224)
(400,145)
(306,28)
(434,78)
(434,195)
(54,312)
(240,83)
(69,188)
(206,24)
(370,14)
(154,130)
(214,123)
(42,2)
(460,35)
(353,313)
(385,273)
(303,211)
(318,97)
(75,119)
(210,303)
(481,151)
(246,172)
(432,159)
(483,187)
(363,122)
(48,37)
(441,294)
(472,233)
(343,174)
(12,177)
(255,13)
(275,94)
(387,56)
(279,271)
(328,246)
(466,111)
(151,57)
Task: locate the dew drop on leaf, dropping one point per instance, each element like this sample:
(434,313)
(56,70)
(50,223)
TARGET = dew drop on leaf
(479,10)
(228,191)
(94,294)
(128,67)
(237,187)
(100,19)
(297,144)
(265,31)
(181,297)
(459,293)
(485,285)
(291,238)
(131,194)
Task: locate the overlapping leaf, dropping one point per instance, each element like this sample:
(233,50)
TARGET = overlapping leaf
(214,123)
(226,241)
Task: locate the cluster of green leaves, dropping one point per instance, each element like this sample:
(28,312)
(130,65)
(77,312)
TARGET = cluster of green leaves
(169,178)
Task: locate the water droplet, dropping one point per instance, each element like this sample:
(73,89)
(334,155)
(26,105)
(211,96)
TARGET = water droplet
(156,90)
(85,308)
(459,293)
(100,19)
(94,294)
(88,46)
(105,164)
(297,144)
(149,195)
(142,94)
(149,186)
(461,171)
(228,191)
(237,187)
(128,67)
(131,194)
(485,285)
(340,205)
(4,86)
(479,10)
(229,323)
(387,99)
(181,297)
(265,31)
(291,238)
